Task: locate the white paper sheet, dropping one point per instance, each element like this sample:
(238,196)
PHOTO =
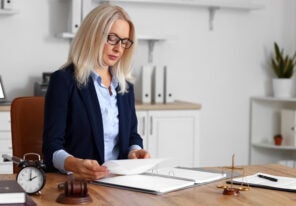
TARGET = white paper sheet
(131,166)
(283,183)
(146,183)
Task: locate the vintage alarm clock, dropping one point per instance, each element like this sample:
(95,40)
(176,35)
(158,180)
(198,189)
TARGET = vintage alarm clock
(31,176)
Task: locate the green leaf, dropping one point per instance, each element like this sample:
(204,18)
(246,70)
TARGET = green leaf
(283,65)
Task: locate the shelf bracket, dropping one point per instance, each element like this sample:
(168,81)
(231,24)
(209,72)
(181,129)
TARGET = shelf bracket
(212,12)
(151,43)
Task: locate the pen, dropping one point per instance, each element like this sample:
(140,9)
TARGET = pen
(268,178)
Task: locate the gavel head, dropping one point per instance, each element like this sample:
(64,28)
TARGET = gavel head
(75,188)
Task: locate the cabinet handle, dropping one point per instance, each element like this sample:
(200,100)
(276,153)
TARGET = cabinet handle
(151,126)
(143,126)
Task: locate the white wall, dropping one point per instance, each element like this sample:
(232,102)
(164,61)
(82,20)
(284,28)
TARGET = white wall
(28,45)
(220,69)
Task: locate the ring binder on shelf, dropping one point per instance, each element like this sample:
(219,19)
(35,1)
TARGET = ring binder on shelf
(7,4)
(168,95)
(75,15)
(143,93)
(158,85)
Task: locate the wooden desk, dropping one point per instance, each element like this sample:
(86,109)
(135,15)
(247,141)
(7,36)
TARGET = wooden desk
(200,195)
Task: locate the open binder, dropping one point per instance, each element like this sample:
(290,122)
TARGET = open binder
(159,181)
(281,183)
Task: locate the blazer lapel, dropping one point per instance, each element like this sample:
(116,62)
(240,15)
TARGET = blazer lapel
(123,124)
(90,99)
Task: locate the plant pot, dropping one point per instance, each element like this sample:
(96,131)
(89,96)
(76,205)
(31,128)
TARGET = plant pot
(278,139)
(282,87)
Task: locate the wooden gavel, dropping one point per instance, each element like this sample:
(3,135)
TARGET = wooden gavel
(75,192)
(74,188)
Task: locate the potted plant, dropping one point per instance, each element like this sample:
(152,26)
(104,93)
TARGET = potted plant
(283,67)
(278,139)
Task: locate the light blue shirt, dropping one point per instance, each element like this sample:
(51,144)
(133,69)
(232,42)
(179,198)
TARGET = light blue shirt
(109,111)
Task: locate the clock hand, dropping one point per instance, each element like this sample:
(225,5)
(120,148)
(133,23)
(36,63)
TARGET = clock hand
(32,178)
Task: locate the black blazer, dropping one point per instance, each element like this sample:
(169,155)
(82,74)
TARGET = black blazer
(73,120)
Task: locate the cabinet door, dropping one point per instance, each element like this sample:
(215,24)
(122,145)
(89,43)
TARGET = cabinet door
(5,121)
(142,117)
(174,134)
(5,142)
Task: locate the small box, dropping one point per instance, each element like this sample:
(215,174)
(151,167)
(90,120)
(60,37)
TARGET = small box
(288,124)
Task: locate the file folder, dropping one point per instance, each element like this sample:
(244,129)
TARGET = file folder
(168,95)
(143,91)
(7,4)
(75,15)
(158,85)
(161,180)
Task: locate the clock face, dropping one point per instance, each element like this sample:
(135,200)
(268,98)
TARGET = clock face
(31,179)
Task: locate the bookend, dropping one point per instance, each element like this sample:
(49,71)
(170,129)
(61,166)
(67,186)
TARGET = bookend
(75,192)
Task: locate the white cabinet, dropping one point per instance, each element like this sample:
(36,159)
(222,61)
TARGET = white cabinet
(5,142)
(172,134)
(169,131)
(265,122)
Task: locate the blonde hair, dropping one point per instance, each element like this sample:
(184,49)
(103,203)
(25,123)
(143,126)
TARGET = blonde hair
(86,50)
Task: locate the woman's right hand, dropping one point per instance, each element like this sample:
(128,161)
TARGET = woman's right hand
(85,169)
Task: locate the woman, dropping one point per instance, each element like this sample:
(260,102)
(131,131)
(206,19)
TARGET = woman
(89,110)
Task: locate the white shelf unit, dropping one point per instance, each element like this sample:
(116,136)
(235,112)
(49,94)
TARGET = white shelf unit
(211,5)
(227,4)
(265,122)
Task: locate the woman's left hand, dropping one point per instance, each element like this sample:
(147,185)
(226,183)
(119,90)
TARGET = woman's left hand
(138,154)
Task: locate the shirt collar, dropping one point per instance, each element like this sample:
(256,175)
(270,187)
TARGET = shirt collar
(96,77)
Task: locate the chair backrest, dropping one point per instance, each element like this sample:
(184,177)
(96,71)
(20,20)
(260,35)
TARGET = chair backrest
(27,117)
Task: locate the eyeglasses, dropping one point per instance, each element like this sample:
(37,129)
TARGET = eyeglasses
(113,39)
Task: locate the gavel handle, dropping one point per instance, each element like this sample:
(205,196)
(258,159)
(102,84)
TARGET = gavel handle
(14,159)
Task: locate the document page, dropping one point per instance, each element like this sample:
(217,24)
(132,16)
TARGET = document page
(268,181)
(146,183)
(131,166)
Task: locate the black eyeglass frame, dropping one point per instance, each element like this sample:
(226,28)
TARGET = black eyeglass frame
(126,43)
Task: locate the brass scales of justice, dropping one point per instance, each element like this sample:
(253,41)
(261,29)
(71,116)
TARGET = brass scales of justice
(231,189)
